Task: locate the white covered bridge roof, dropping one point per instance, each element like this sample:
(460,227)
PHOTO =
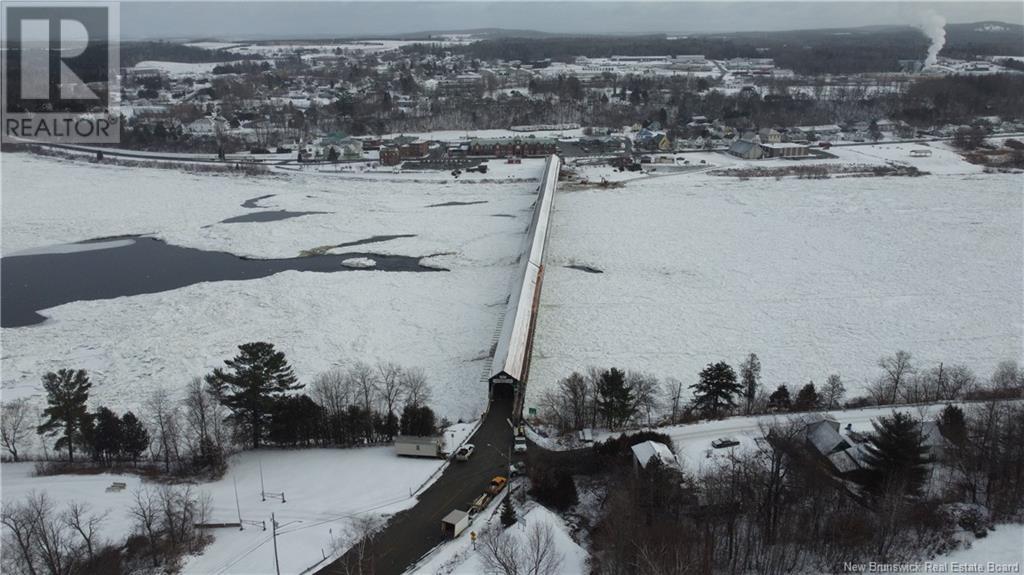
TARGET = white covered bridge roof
(512,351)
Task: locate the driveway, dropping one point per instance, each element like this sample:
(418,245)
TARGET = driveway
(414,532)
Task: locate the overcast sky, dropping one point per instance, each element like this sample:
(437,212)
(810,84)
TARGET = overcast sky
(289,19)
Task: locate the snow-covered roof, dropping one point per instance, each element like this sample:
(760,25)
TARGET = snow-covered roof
(782,146)
(417,440)
(824,436)
(511,350)
(847,460)
(648,449)
(742,146)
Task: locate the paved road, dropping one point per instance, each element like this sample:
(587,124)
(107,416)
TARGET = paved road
(414,532)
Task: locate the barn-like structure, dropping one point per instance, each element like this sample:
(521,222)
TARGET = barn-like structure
(511,363)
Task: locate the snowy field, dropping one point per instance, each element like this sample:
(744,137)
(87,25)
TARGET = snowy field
(1001,551)
(442,322)
(815,276)
(313,521)
(182,69)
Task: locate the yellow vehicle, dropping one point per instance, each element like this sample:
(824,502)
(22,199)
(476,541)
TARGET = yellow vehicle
(497,484)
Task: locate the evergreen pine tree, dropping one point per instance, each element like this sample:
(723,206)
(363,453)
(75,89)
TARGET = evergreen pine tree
(418,421)
(66,394)
(135,438)
(895,456)
(953,425)
(779,399)
(109,437)
(615,400)
(716,389)
(256,377)
(508,513)
(807,398)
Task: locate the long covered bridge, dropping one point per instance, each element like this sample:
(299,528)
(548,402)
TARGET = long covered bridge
(511,364)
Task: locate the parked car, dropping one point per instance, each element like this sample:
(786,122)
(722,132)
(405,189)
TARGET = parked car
(516,469)
(497,484)
(520,445)
(464,452)
(723,442)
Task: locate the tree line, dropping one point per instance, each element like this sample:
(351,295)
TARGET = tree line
(254,400)
(615,398)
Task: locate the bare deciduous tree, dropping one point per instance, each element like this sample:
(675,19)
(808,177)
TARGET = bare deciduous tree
(362,530)
(646,390)
(567,404)
(19,537)
(389,385)
(674,392)
(520,550)
(364,383)
(833,391)
(53,543)
(14,425)
(959,381)
(145,510)
(332,390)
(1007,376)
(542,556)
(205,436)
(897,368)
(164,414)
(415,385)
(80,518)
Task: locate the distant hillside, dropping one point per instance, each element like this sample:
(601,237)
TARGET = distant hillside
(984,38)
(843,51)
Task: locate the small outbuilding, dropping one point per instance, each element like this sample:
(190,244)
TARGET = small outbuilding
(414,446)
(644,452)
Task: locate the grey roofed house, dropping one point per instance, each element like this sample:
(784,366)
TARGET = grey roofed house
(746,149)
(823,435)
(847,460)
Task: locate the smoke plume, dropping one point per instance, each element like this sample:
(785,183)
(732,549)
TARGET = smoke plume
(933,26)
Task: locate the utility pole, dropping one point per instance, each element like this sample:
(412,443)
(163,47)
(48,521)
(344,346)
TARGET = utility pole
(263,493)
(237,506)
(273,524)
